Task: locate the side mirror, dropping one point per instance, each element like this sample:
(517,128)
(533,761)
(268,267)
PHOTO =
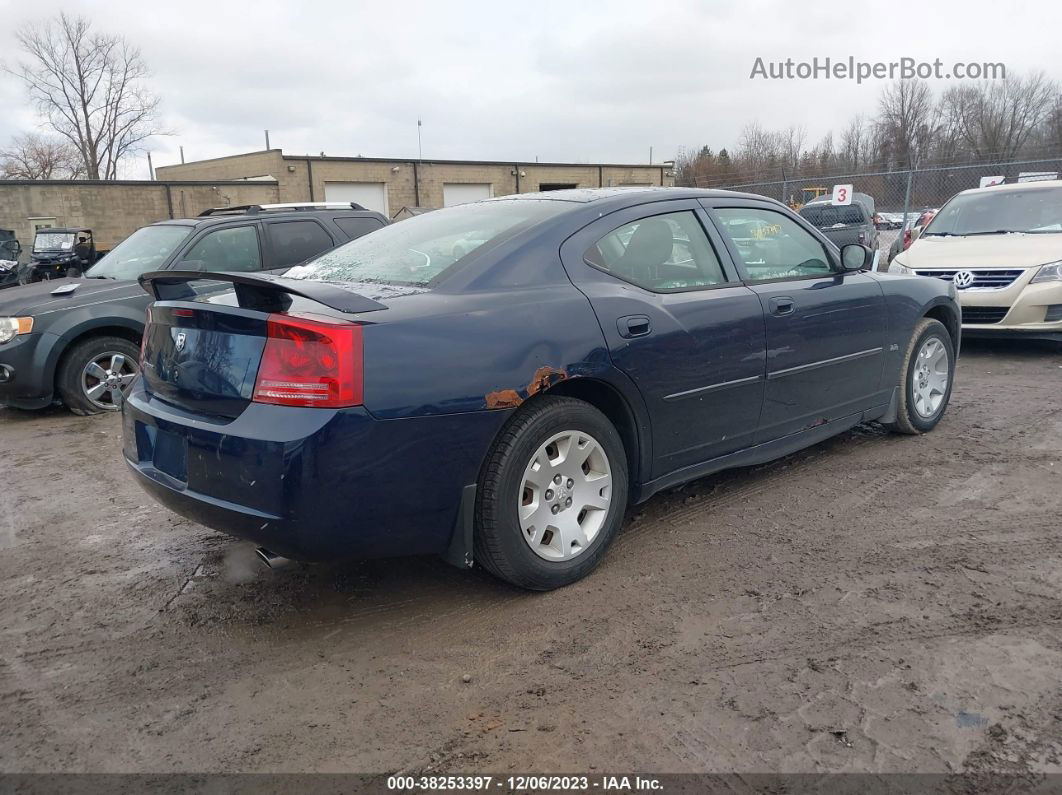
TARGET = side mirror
(855,257)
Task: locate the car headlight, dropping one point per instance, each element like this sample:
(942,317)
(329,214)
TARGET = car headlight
(899,267)
(1051,272)
(11,327)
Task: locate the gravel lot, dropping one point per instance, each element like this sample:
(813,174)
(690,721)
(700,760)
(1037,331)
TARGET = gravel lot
(875,603)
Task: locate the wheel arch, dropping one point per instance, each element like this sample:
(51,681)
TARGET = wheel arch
(946,314)
(110,327)
(607,399)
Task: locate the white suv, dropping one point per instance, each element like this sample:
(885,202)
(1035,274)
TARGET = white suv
(1002,248)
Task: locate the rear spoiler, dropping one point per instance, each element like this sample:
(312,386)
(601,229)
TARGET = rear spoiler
(258,290)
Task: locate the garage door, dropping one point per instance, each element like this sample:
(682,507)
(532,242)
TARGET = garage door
(460,193)
(370,195)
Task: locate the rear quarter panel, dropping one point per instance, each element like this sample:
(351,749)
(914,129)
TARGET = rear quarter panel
(439,353)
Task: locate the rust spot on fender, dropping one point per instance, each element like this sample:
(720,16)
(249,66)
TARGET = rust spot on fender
(504,399)
(543,379)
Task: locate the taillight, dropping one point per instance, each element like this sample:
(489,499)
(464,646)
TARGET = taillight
(906,239)
(862,238)
(308,363)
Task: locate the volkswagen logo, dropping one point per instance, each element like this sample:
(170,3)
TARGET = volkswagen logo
(179,342)
(963,279)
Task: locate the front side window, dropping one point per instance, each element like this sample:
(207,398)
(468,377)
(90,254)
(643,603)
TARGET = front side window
(295,241)
(772,245)
(147,249)
(232,249)
(662,253)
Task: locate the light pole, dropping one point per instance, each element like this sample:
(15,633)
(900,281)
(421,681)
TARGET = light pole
(420,148)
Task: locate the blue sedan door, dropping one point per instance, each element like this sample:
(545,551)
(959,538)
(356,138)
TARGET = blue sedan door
(679,323)
(825,328)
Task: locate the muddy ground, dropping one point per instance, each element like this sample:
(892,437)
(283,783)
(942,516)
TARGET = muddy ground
(875,603)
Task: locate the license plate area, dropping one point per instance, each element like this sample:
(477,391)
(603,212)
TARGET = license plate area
(167,452)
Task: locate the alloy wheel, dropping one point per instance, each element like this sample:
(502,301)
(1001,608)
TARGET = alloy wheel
(106,379)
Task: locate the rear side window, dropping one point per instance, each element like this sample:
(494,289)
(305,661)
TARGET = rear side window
(234,248)
(356,227)
(295,241)
(662,253)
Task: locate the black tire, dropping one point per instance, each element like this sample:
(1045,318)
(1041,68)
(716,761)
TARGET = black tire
(68,379)
(908,420)
(499,545)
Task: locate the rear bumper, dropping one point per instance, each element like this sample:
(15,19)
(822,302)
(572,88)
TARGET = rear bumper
(311,484)
(25,378)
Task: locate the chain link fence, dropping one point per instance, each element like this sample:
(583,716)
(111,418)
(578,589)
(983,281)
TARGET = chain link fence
(900,197)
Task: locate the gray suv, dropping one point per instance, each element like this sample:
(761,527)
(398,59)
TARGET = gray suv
(78,339)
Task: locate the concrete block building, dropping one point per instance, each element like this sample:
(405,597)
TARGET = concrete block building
(387,185)
(115,209)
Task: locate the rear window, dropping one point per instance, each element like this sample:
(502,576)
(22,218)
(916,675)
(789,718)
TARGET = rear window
(826,216)
(421,250)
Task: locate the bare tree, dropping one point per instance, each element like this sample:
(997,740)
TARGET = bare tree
(996,119)
(34,156)
(90,89)
(906,120)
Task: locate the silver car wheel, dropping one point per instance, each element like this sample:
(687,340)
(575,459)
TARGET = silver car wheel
(565,495)
(929,377)
(106,379)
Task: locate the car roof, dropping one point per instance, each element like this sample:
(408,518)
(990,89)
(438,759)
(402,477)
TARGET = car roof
(214,220)
(630,194)
(1039,184)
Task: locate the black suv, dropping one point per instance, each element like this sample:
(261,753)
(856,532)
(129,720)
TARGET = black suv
(78,339)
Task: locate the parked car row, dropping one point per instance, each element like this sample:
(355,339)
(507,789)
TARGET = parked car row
(496,382)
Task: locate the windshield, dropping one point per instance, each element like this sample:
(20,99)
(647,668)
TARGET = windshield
(53,241)
(825,216)
(419,250)
(1036,210)
(144,250)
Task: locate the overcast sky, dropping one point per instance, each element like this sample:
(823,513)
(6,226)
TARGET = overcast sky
(561,81)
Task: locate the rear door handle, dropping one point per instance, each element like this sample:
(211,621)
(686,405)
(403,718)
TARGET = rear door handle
(634,326)
(782,305)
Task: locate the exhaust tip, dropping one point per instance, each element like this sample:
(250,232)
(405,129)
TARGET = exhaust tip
(271,560)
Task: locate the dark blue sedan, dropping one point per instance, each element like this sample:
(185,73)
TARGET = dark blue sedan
(496,382)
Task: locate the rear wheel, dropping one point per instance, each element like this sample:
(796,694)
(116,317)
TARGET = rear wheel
(551,496)
(925,379)
(96,373)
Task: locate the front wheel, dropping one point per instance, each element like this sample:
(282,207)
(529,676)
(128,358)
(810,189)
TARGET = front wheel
(552,494)
(95,375)
(925,379)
